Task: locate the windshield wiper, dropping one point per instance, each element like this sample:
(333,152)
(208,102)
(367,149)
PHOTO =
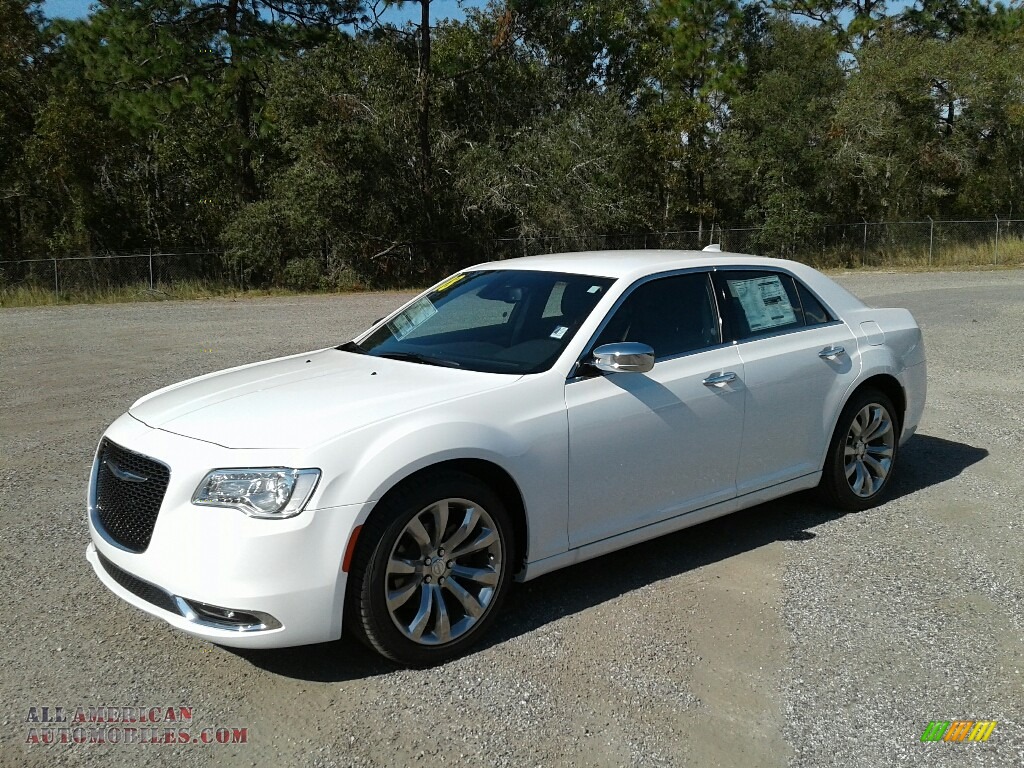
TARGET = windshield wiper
(414,357)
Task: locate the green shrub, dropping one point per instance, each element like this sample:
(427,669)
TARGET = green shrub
(304,274)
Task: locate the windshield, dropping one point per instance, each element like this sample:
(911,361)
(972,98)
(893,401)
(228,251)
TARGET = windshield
(498,321)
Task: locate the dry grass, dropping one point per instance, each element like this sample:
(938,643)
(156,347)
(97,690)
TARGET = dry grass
(38,295)
(1010,253)
(944,257)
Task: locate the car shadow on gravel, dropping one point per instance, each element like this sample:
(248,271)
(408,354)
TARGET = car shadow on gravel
(925,461)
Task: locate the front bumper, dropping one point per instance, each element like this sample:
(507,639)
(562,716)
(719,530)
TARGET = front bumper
(285,574)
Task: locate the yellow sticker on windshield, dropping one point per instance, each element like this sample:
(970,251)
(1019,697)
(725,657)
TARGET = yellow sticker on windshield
(449,282)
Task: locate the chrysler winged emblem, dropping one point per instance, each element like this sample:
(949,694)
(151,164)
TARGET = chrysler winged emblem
(123,474)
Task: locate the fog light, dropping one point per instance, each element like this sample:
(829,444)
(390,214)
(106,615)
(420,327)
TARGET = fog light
(226,618)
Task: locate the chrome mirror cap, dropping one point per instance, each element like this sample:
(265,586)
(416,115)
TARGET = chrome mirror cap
(624,357)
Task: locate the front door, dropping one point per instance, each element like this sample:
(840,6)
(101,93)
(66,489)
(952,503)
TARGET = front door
(644,447)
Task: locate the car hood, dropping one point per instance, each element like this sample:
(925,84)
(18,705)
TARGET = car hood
(303,400)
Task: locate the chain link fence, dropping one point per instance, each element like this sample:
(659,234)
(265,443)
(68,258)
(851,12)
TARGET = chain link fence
(933,243)
(151,271)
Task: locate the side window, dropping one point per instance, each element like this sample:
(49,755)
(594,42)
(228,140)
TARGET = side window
(814,313)
(673,315)
(755,302)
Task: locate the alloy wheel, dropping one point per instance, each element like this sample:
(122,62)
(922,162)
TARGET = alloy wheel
(443,572)
(870,444)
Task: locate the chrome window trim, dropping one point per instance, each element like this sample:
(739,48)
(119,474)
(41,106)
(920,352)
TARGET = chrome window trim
(710,271)
(785,332)
(668,359)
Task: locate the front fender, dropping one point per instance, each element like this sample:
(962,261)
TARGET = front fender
(532,449)
(402,452)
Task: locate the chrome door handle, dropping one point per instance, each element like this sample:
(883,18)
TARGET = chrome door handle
(719,379)
(831,352)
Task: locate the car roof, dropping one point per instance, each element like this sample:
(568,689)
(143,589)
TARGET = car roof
(634,263)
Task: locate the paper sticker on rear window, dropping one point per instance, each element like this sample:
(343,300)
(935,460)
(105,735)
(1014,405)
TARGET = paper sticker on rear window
(764,301)
(406,321)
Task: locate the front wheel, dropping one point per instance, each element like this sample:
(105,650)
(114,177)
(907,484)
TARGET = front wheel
(432,565)
(862,455)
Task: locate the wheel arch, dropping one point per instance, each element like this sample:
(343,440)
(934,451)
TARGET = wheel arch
(834,486)
(493,475)
(889,386)
(884,382)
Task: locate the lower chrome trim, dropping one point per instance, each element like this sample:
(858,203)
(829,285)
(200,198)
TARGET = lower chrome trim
(191,610)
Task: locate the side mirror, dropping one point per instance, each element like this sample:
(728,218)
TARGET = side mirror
(623,357)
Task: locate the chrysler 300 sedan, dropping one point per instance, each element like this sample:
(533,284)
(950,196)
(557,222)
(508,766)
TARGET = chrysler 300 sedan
(518,417)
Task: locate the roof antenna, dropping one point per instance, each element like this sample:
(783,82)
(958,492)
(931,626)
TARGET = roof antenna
(713,248)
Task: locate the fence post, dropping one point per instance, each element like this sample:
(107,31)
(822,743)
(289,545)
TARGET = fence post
(931,238)
(864,247)
(995,256)
(151,269)
(56,284)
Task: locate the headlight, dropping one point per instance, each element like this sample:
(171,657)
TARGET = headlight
(272,492)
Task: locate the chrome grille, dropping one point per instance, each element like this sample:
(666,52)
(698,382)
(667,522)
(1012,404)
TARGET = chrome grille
(129,491)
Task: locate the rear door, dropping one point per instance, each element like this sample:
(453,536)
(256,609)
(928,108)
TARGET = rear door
(799,362)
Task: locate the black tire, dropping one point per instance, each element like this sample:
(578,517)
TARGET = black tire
(864,487)
(449,586)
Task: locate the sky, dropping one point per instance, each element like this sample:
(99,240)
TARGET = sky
(439,9)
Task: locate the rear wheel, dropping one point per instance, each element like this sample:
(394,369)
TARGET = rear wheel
(862,455)
(431,568)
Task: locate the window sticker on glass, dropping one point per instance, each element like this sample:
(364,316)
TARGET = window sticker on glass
(764,301)
(449,282)
(410,318)
(594,289)
(559,332)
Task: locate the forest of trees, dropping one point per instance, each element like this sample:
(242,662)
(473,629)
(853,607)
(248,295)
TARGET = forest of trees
(304,136)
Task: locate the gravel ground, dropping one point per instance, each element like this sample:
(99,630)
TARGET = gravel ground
(784,635)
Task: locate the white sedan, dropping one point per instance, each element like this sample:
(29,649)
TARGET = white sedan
(518,417)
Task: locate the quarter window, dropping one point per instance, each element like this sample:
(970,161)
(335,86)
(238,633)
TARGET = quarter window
(814,312)
(673,315)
